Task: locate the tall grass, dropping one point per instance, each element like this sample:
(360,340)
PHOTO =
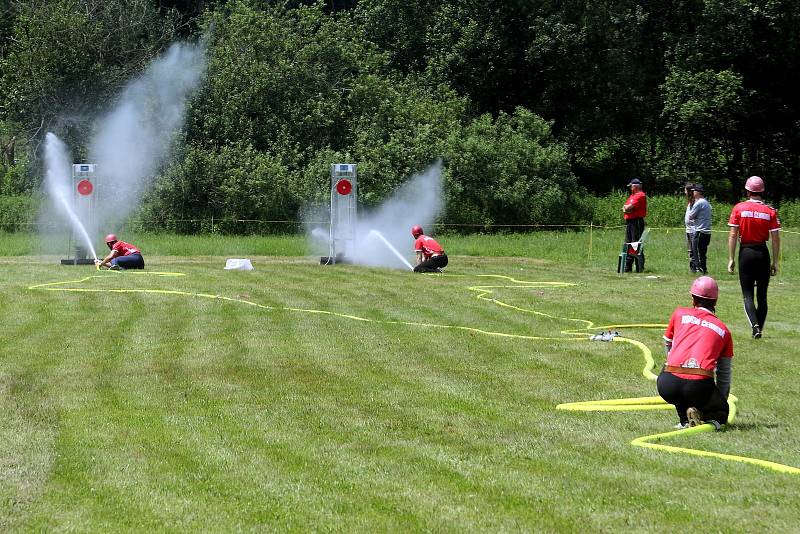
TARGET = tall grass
(597,247)
(18,214)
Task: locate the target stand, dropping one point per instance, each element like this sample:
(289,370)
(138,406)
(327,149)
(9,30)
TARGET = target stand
(344,212)
(84,202)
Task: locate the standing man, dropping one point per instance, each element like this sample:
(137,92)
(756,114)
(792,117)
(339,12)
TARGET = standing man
(697,345)
(700,215)
(687,190)
(122,256)
(634,211)
(430,254)
(752,223)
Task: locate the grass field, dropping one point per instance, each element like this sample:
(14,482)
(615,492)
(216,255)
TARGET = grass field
(359,399)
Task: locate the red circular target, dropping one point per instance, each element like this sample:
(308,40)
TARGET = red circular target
(85,187)
(344,187)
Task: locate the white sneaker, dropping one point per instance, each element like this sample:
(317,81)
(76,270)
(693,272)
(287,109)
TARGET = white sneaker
(681,426)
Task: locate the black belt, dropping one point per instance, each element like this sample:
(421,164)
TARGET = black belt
(754,245)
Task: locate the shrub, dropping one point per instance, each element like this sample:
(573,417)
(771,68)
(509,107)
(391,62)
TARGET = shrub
(18,212)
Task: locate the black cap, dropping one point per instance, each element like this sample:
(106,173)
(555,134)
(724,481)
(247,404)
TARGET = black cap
(635,181)
(697,187)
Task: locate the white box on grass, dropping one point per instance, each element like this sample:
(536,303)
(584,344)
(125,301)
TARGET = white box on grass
(238,264)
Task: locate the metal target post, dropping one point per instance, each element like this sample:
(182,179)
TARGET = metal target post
(344,211)
(84,201)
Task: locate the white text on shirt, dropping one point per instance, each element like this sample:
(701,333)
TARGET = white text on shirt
(691,319)
(756,215)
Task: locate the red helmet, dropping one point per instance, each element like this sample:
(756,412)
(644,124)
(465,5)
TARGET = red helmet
(705,287)
(416,230)
(754,184)
(110,238)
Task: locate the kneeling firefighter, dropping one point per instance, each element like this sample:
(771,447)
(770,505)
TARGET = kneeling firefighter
(430,254)
(122,256)
(697,345)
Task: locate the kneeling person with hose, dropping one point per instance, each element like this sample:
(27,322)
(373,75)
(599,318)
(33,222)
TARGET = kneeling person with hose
(430,254)
(698,344)
(122,256)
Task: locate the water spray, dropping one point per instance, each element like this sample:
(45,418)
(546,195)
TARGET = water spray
(57,180)
(374,237)
(389,245)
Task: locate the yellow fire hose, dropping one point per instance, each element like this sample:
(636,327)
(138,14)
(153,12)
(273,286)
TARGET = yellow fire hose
(484,292)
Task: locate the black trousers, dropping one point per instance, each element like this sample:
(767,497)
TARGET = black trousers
(432,264)
(689,239)
(702,394)
(754,271)
(633,231)
(131,261)
(700,243)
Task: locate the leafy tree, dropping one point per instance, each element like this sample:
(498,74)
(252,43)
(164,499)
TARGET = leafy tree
(68,57)
(702,111)
(509,170)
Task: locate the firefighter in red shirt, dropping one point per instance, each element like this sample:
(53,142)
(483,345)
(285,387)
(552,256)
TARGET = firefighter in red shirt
(634,211)
(430,254)
(122,256)
(752,224)
(698,344)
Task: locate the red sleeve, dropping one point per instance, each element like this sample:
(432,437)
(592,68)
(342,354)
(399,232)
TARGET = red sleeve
(774,222)
(669,334)
(118,246)
(418,243)
(734,219)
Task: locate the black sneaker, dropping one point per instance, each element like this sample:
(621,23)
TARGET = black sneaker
(756,332)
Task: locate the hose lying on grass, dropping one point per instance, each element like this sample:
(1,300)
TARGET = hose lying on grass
(484,292)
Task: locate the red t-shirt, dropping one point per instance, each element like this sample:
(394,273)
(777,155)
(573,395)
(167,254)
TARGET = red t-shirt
(125,249)
(699,339)
(639,202)
(428,246)
(755,221)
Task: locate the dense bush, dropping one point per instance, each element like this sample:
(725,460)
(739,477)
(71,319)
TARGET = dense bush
(668,211)
(18,213)
(789,213)
(528,104)
(509,170)
(291,92)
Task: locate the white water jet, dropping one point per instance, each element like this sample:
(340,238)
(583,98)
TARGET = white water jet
(58,180)
(390,246)
(134,140)
(418,201)
(382,232)
(320,235)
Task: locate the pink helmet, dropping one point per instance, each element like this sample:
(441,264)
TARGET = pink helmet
(416,230)
(754,184)
(110,238)
(705,287)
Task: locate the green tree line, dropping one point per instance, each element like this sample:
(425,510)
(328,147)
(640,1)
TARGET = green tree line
(532,106)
